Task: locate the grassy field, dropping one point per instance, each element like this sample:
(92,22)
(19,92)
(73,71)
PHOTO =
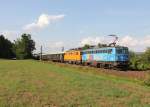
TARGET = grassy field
(29,83)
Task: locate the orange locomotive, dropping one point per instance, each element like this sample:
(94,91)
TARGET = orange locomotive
(73,57)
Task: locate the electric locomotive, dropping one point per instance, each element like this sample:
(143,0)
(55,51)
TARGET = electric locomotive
(106,57)
(73,57)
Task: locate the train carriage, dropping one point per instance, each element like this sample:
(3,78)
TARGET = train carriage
(56,57)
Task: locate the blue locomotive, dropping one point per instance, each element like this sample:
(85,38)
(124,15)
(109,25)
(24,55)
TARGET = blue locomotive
(106,57)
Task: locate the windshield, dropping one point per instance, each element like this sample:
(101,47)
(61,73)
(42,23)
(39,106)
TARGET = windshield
(122,50)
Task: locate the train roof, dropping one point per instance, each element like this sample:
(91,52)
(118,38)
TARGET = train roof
(103,48)
(54,53)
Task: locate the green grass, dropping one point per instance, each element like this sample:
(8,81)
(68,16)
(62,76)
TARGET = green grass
(28,83)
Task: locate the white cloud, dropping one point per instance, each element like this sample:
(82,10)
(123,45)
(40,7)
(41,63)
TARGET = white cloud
(146,41)
(134,43)
(49,47)
(43,21)
(92,40)
(11,35)
(128,41)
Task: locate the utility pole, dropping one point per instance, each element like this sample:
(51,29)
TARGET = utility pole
(62,49)
(41,53)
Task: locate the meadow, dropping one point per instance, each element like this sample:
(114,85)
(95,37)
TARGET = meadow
(29,83)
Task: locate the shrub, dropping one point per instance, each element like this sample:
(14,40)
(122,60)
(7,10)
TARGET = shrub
(138,61)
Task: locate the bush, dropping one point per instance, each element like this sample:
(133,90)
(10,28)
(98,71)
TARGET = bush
(138,61)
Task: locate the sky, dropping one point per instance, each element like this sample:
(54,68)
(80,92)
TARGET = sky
(71,23)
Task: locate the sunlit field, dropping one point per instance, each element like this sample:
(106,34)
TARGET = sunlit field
(29,83)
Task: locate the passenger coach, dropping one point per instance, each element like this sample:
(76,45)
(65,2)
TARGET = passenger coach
(56,57)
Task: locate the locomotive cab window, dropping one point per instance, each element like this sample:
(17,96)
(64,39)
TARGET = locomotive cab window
(122,50)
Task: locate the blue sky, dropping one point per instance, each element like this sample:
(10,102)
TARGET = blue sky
(76,22)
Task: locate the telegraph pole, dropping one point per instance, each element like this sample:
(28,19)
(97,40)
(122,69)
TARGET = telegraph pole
(41,53)
(62,49)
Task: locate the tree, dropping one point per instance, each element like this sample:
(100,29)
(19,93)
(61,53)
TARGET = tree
(24,47)
(146,55)
(6,48)
(86,46)
(102,45)
(139,61)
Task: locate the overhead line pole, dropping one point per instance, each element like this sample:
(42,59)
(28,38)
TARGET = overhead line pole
(41,53)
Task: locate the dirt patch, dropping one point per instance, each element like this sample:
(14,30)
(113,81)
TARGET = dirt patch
(130,74)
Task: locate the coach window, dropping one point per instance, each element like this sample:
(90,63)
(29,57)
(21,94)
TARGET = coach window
(109,51)
(96,51)
(92,52)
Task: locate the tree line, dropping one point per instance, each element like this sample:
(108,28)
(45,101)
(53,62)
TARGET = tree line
(22,48)
(140,61)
